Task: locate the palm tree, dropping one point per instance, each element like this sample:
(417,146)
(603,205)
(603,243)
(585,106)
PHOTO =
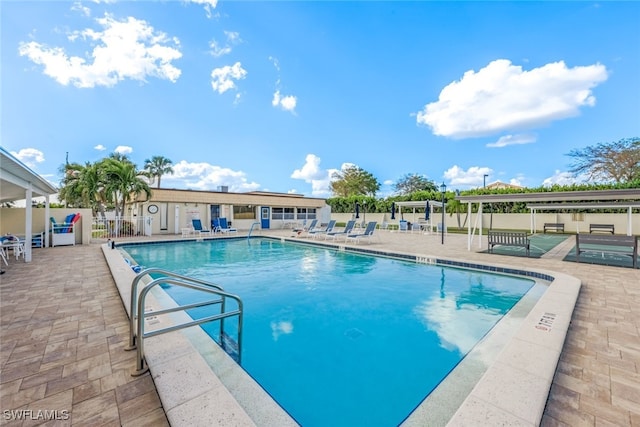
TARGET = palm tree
(123,181)
(158,166)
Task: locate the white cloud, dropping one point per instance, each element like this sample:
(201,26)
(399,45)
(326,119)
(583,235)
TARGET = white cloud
(503,141)
(502,97)
(204,176)
(320,179)
(275,62)
(287,103)
(127,49)
(560,178)
(79,7)
(474,176)
(123,149)
(100,147)
(209,5)
(219,50)
(222,79)
(29,156)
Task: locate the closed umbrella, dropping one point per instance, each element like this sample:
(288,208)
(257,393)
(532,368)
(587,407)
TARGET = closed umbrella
(357,210)
(427,212)
(393,210)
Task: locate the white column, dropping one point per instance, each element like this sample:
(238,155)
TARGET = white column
(28,226)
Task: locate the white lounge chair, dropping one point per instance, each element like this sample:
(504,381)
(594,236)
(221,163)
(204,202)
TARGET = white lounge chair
(328,229)
(335,235)
(197,227)
(365,235)
(220,225)
(308,229)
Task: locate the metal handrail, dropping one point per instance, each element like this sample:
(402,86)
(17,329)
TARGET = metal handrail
(134,296)
(251,229)
(192,284)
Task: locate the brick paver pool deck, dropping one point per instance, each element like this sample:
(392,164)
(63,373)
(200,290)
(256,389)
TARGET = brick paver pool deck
(64,329)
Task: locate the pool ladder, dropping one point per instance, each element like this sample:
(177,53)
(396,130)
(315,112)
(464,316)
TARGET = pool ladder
(251,229)
(138,314)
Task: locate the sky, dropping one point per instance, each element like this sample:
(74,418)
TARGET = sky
(279,95)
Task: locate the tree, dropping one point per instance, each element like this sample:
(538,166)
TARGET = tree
(608,161)
(158,166)
(411,183)
(354,181)
(123,181)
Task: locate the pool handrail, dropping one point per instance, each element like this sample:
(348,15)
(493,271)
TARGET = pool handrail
(133,315)
(141,335)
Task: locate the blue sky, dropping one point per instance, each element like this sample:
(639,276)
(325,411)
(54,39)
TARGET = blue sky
(276,96)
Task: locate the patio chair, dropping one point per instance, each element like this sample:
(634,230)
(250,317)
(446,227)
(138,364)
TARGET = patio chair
(328,229)
(335,235)
(403,226)
(11,242)
(220,225)
(307,229)
(197,227)
(365,235)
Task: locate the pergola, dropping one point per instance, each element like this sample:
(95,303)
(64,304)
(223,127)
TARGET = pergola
(421,204)
(558,200)
(18,182)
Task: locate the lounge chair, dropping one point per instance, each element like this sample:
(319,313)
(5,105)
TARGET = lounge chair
(197,227)
(220,225)
(307,229)
(365,235)
(335,235)
(403,227)
(319,232)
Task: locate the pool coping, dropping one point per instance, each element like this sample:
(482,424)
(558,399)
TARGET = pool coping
(513,390)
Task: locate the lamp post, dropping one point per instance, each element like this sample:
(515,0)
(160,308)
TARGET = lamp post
(364,212)
(484,180)
(443,188)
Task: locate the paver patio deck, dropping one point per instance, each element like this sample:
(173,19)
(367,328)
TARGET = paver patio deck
(63,330)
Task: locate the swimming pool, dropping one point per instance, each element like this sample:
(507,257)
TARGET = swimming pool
(339,338)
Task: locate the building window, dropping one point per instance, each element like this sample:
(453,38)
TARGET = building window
(306,213)
(243,212)
(284,214)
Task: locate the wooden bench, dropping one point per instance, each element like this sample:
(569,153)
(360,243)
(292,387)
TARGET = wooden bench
(624,245)
(557,226)
(508,238)
(602,227)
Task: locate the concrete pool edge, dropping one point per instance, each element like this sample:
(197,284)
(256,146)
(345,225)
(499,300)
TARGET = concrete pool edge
(515,388)
(190,392)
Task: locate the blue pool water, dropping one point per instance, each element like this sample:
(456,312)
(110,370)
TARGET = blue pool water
(338,338)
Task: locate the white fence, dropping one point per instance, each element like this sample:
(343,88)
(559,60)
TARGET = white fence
(112,227)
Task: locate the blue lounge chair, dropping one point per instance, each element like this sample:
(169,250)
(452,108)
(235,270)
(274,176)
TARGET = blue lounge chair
(308,229)
(335,235)
(328,229)
(197,227)
(365,235)
(220,225)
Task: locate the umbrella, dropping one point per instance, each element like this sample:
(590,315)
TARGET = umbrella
(393,210)
(427,212)
(357,210)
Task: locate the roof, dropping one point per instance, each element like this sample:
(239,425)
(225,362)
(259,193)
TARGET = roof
(586,206)
(418,204)
(555,196)
(16,178)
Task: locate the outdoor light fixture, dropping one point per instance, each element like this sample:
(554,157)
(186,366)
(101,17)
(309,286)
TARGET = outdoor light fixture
(484,180)
(443,188)
(364,212)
